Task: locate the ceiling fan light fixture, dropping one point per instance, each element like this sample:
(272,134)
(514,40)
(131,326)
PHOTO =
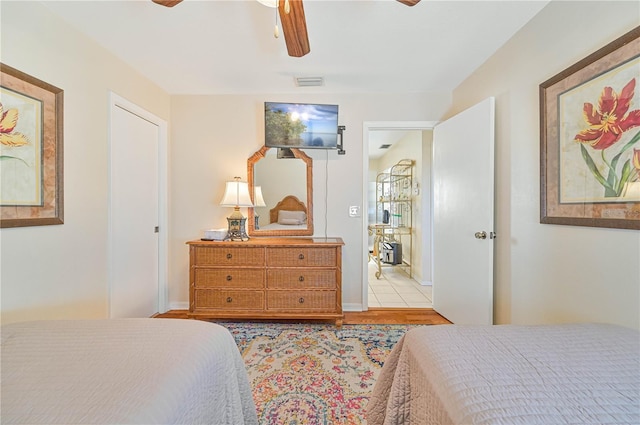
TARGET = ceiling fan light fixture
(309,81)
(269,3)
(167,3)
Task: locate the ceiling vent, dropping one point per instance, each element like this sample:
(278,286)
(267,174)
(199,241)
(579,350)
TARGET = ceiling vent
(309,81)
(385,146)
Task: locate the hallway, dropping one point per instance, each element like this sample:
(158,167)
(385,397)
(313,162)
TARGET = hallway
(396,289)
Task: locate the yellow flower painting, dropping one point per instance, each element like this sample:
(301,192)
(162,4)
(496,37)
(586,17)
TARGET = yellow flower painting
(8,121)
(20,149)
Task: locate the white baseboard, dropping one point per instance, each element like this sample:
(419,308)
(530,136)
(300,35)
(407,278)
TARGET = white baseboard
(352,307)
(179,306)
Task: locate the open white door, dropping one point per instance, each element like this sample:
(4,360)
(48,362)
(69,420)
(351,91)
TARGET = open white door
(463,194)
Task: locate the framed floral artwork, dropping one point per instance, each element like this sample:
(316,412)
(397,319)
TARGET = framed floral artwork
(31,133)
(590,139)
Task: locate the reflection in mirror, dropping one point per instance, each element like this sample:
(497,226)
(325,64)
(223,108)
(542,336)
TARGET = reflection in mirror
(287,192)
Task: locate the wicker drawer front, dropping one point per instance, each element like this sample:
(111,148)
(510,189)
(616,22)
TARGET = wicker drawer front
(301,278)
(229,278)
(229,300)
(221,256)
(301,257)
(301,300)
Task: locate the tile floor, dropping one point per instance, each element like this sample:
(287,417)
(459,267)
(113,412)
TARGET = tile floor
(396,289)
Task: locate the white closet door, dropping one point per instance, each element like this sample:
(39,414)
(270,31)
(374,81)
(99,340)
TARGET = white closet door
(134,215)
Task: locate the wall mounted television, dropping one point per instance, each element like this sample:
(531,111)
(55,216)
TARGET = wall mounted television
(300,125)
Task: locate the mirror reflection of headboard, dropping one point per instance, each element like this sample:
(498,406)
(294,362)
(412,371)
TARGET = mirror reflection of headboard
(287,191)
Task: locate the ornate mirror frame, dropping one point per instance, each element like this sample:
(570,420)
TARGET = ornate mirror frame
(251,228)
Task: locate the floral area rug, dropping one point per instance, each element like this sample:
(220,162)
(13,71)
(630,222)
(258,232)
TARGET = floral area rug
(313,373)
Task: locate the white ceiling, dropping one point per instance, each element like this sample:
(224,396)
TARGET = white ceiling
(358,46)
(377,138)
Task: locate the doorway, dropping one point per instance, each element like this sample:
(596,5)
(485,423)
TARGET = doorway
(452,227)
(391,286)
(137,211)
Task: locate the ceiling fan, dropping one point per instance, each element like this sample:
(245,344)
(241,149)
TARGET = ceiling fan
(294,25)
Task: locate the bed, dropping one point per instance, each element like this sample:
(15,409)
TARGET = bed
(123,371)
(509,374)
(288,214)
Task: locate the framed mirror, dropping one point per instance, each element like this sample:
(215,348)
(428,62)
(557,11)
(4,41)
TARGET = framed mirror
(285,185)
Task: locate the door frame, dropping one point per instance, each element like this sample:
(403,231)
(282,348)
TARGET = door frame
(117,101)
(368,126)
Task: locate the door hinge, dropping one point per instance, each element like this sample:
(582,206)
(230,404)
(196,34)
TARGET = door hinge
(156,229)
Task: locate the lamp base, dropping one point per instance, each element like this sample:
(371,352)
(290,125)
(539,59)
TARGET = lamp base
(236,230)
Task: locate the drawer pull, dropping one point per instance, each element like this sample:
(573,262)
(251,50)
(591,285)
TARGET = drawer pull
(301,257)
(229,278)
(301,279)
(229,256)
(301,300)
(229,299)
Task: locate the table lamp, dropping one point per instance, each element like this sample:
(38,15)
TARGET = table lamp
(236,195)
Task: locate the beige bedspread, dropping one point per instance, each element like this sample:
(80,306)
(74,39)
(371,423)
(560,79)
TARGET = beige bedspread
(550,374)
(123,371)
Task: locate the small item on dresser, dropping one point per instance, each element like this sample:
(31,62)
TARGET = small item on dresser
(214,235)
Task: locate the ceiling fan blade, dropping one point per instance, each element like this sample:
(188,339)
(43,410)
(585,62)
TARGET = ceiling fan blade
(294,28)
(409,2)
(168,3)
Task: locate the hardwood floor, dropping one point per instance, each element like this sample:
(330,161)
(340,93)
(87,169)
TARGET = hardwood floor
(390,316)
(381,315)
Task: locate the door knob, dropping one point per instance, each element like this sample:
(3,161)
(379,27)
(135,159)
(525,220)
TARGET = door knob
(481,235)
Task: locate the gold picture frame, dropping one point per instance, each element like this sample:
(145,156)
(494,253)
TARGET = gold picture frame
(590,139)
(31,150)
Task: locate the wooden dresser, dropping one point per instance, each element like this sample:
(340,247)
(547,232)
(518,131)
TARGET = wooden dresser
(266,278)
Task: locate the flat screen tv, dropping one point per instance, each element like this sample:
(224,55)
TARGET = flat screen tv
(300,125)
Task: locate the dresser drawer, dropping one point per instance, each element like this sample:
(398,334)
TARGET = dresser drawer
(266,278)
(228,300)
(229,278)
(223,256)
(301,257)
(301,278)
(301,300)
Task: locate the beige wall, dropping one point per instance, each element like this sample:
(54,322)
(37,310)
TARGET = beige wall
(212,141)
(425,208)
(61,271)
(551,273)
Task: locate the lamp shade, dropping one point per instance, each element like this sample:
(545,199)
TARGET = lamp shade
(258,200)
(236,194)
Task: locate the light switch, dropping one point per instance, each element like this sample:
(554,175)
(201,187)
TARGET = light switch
(354,211)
